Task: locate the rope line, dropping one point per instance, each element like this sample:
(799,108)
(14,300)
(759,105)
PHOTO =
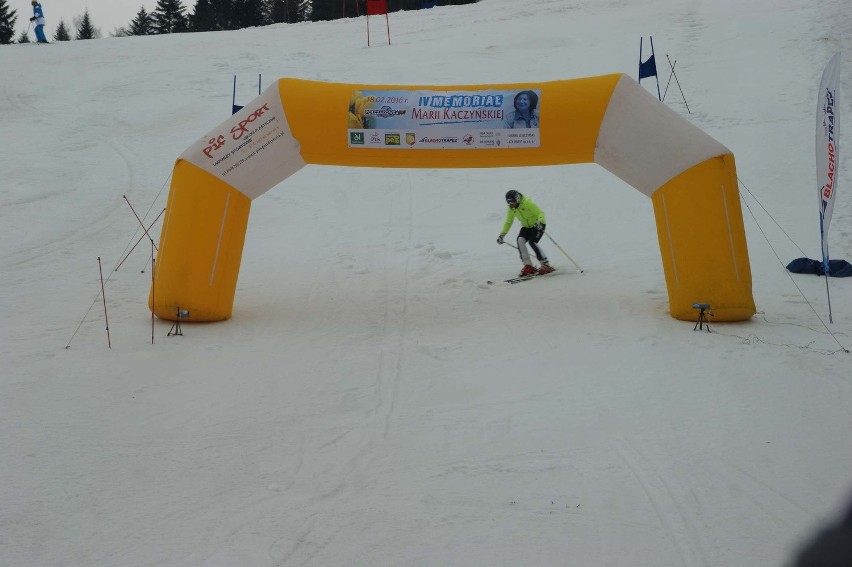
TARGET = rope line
(127,246)
(784,266)
(752,338)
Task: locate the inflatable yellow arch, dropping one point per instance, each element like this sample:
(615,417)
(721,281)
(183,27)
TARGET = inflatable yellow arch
(610,120)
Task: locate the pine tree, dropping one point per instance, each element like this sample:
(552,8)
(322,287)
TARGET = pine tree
(169,17)
(23,38)
(266,8)
(247,13)
(7,23)
(85,30)
(224,11)
(412,4)
(304,11)
(277,12)
(61,33)
(321,10)
(141,24)
(283,11)
(352,9)
(203,17)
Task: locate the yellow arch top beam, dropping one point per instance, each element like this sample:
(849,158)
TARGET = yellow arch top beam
(609,120)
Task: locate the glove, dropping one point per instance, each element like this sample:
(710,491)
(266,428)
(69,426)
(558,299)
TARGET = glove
(32,19)
(539,226)
(500,239)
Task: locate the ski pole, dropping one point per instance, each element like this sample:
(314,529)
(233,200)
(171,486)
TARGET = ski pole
(564,252)
(29,28)
(512,245)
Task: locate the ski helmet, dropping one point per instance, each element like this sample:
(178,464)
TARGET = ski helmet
(513,196)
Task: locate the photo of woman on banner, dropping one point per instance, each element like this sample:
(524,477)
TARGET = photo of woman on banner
(358,106)
(525,114)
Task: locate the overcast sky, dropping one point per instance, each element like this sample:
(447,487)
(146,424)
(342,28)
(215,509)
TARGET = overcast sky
(106,15)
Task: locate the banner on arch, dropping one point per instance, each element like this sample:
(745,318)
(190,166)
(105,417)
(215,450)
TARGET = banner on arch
(425,119)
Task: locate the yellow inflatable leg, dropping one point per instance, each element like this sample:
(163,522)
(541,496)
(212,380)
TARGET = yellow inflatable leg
(200,247)
(703,243)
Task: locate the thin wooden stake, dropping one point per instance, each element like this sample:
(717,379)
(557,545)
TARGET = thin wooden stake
(678,84)
(140,240)
(140,220)
(103,295)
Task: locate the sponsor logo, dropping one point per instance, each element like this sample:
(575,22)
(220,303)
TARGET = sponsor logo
(439,140)
(392,139)
(831,165)
(468,139)
(410,138)
(375,138)
(384,112)
(356,137)
(241,128)
(215,144)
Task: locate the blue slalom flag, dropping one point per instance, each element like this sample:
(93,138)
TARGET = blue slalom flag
(648,68)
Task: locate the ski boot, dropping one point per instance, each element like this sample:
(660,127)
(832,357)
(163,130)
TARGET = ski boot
(527,271)
(545,269)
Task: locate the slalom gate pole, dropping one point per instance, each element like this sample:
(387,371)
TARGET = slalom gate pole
(140,240)
(103,295)
(656,75)
(140,221)
(564,252)
(673,65)
(678,84)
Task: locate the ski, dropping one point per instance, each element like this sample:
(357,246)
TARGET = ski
(519,279)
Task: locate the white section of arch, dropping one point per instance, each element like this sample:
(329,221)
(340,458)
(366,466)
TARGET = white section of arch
(645,143)
(253,150)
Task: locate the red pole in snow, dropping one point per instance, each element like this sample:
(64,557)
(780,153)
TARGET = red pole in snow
(103,295)
(387,21)
(377,8)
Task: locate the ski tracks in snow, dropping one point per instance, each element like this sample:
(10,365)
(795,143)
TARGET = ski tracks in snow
(678,523)
(399,227)
(690,491)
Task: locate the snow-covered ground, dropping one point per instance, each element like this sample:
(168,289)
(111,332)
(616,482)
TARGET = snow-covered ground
(372,401)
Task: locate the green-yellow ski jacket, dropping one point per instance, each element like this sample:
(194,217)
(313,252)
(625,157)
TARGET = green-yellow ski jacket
(527,213)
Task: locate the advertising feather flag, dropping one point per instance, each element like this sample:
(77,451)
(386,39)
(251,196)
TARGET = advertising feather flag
(827,150)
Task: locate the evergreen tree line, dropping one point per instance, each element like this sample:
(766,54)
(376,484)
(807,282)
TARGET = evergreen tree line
(83,28)
(171,16)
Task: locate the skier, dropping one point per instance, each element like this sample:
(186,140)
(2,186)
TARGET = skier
(532,229)
(38,18)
